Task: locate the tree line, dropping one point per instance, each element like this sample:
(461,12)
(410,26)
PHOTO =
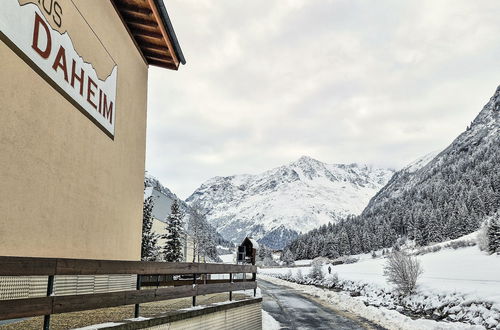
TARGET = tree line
(446,201)
(202,236)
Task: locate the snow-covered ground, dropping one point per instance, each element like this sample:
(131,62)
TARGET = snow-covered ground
(268,322)
(462,283)
(228,258)
(387,318)
(305,262)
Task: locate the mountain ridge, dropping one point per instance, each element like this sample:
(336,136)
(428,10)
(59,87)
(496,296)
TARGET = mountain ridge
(265,205)
(447,197)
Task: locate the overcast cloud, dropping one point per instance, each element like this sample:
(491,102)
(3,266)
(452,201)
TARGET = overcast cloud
(266,81)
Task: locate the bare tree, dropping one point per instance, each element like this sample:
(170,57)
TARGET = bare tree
(196,230)
(403,270)
(316,271)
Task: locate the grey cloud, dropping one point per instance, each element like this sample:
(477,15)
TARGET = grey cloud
(341,81)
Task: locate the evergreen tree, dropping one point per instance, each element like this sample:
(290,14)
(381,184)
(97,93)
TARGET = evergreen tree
(493,233)
(149,248)
(288,258)
(173,241)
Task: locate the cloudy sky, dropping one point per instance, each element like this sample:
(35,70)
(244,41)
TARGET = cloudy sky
(378,82)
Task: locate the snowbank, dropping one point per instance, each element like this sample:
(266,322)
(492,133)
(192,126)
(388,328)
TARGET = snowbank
(268,322)
(387,318)
(457,285)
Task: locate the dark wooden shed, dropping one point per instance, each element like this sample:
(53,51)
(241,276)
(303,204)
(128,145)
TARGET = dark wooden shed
(247,251)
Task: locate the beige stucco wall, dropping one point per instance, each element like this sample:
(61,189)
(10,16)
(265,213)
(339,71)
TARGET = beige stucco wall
(66,188)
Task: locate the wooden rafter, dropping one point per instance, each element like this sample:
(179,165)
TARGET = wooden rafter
(147,28)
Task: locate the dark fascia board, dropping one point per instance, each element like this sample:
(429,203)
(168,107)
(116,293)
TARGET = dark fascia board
(170,29)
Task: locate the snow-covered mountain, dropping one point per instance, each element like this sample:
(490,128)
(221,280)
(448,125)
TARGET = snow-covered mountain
(429,201)
(163,198)
(277,205)
(403,179)
(461,182)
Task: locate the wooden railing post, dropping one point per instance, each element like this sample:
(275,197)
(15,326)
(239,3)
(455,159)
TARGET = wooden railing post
(138,287)
(230,281)
(174,288)
(194,284)
(50,291)
(254,278)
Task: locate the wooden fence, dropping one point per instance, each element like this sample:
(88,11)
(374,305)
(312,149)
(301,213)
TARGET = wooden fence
(173,286)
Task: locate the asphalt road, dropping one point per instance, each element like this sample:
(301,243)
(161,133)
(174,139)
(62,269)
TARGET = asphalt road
(295,310)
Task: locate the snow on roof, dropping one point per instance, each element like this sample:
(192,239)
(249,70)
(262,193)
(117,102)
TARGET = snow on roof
(255,245)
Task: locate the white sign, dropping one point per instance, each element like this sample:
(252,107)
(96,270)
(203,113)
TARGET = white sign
(52,54)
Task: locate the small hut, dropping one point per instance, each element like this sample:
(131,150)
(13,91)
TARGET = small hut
(247,251)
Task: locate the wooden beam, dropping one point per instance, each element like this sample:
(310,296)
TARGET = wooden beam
(185,282)
(125,7)
(151,46)
(145,24)
(18,308)
(164,32)
(159,57)
(25,266)
(19,266)
(148,23)
(162,64)
(139,31)
(116,3)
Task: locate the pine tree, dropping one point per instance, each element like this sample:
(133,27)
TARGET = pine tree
(173,243)
(149,248)
(493,233)
(288,258)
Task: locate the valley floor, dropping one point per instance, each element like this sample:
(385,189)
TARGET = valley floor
(381,316)
(457,285)
(295,310)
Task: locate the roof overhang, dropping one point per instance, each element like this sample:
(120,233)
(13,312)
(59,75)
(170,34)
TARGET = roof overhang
(149,26)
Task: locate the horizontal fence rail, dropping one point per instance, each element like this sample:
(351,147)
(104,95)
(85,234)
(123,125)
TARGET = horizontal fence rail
(21,266)
(166,288)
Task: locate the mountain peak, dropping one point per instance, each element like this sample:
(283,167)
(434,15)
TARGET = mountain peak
(307,159)
(276,205)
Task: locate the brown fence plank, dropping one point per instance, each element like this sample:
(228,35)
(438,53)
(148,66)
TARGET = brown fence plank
(224,287)
(174,292)
(74,303)
(102,267)
(140,296)
(64,304)
(17,308)
(184,282)
(19,266)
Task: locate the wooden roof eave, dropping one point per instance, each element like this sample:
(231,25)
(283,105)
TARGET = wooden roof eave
(147,28)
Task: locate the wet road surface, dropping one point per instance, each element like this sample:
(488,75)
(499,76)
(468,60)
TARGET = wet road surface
(295,310)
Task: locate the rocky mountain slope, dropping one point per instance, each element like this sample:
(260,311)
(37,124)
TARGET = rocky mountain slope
(163,199)
(431,201)
(452,193)
(277,205)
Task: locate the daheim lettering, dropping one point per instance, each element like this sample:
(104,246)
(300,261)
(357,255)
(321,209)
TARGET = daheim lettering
(73,75)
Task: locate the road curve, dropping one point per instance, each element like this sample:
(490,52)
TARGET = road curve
(297,311)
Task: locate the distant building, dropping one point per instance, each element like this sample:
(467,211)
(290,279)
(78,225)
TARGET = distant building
(162,204)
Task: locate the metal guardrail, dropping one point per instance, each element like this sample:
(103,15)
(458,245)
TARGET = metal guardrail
(167,288)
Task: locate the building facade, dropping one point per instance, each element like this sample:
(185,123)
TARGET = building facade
(162,203)
(73,99)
